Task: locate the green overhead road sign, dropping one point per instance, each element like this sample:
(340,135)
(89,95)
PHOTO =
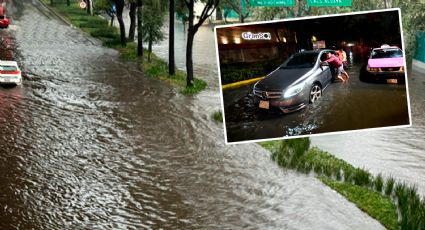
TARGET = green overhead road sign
(272,2)
(329,2)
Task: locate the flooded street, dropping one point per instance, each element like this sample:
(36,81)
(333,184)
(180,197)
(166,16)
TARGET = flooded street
(88,142)
(397,152)
(344,106)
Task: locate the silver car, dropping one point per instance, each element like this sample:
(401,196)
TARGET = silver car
(300,80)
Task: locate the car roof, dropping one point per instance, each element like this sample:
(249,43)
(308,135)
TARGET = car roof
(316,51)
(14,63)
(387,48)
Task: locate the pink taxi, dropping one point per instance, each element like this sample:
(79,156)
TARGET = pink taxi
(386,63)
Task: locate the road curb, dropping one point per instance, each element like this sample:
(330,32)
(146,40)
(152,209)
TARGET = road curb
(93,40)
(53,11)
(240,83)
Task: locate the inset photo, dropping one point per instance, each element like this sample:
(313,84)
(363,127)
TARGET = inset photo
(313,75)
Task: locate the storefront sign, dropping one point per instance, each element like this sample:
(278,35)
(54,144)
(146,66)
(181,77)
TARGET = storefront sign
(272,2)
(256,36)
(329,2)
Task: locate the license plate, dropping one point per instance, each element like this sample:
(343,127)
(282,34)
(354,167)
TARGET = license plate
(264,104)
(392,81)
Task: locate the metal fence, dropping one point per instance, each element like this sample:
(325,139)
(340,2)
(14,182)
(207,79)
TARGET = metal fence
(420,48)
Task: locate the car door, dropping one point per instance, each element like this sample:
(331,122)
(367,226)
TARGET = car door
(326,73)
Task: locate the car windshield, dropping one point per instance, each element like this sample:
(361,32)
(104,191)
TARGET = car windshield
(8,68)
(386,53)
(300,60)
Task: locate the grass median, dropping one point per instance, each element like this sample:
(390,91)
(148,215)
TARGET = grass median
(99,28)
(396,205)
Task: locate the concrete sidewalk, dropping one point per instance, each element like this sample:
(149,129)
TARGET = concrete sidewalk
(418,66)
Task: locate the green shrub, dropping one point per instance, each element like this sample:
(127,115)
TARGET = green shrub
(361,177)
(379,183)
(217,116)
(389,186)
(107,32)
(95,23)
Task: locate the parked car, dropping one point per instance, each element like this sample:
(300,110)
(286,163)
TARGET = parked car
(386,63)
(4,21)
(300,80)
(10,73)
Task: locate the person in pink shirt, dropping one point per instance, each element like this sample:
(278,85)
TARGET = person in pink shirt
(336,64)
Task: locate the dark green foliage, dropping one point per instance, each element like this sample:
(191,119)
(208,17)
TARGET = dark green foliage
(198,85)
(348,175)
(292,150)
(95,23)
(389,186)
(359,186)
(107,32)
(378,183)
(410,206)
(152,21)
(361,177)
(217,116)
(234,72)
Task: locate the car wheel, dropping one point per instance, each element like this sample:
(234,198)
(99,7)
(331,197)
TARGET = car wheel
(315,93)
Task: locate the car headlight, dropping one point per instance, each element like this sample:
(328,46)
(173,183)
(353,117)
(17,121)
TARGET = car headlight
(293,90)
(372,69)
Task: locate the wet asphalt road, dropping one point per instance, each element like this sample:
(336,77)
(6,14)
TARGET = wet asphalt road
(352,105)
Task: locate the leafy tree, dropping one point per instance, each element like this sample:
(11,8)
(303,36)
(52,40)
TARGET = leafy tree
(152,21)
(241,7)
(210,6)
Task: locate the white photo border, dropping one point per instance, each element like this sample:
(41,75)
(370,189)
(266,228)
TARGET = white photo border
(316,134)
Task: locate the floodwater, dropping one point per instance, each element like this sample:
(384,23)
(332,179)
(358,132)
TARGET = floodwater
(87,142)
(398,152)
(352,105)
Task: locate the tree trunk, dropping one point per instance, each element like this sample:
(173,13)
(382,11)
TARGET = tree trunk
(132,13)
(189,60)
(89,7)
(112,20)
(241,16)
(171,61)
(209,8)
(150,47)
(139,30)
(189,46)
(120,8)
(68,2)
(299,8)
(51,2)
(218,15)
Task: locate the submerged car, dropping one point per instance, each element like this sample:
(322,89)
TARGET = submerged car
(4,21)
(386,63)
(300,80)
(10,73)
